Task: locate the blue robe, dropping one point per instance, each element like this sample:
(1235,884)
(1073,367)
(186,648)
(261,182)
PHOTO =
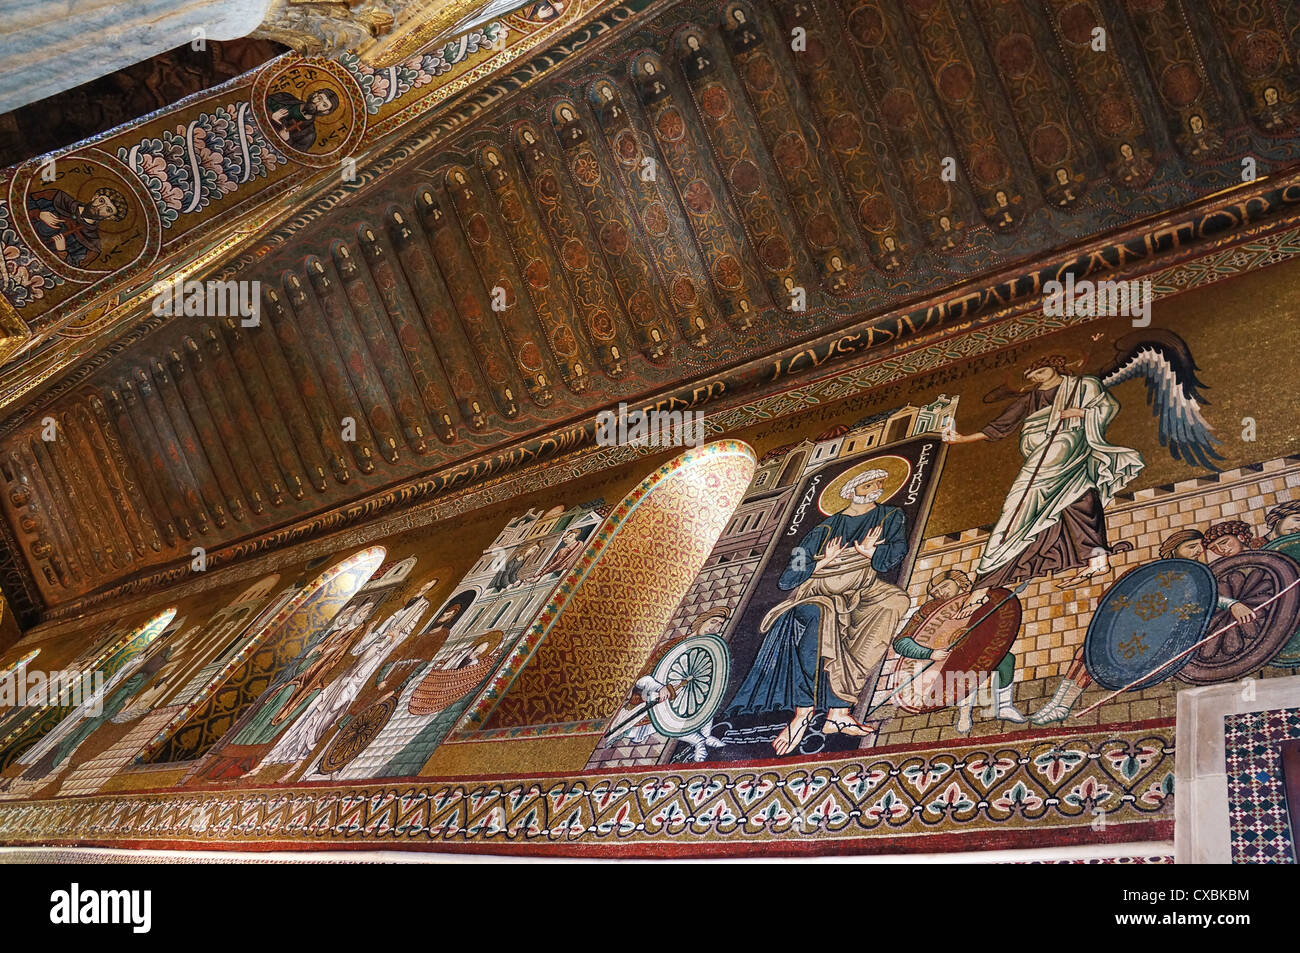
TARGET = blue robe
(787,673)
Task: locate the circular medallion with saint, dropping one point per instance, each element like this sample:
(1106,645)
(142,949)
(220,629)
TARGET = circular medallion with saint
(312,109)
(85,215)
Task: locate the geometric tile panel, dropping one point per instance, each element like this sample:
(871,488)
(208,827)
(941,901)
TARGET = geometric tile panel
(1257,805)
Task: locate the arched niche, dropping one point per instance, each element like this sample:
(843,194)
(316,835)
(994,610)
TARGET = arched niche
(200,651)
(28,726)
(592,639)
(793,468)
(200,725)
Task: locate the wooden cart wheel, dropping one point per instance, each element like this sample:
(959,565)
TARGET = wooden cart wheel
(356,735)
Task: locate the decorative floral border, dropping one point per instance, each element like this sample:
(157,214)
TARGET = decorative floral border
(387,84)
(188,168)
(1027,789)
(24,277)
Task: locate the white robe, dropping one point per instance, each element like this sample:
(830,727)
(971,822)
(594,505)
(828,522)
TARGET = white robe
(1078,459)
(301,739)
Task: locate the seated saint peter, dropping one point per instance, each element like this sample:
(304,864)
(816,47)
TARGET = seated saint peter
(826,639)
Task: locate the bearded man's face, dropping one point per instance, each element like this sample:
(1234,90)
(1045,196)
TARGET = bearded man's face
(868,492)
(101,206)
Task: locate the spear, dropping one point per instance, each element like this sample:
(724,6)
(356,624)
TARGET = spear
(1042,455)
(613,732)
(969,629)
(1187,651)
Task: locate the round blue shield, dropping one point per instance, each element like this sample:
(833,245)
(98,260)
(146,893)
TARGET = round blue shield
(1151,614)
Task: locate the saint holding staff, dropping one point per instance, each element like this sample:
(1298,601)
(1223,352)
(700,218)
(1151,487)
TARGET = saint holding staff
(1054,516)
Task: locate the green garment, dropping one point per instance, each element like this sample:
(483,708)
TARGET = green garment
(260,731)
(1063,461)
(116,702)
(908,647)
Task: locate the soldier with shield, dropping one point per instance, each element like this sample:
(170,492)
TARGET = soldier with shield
(634,721)
(952,599)
(680,689)
(1185,545)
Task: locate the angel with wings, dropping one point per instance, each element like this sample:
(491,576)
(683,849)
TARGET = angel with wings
(1054,517)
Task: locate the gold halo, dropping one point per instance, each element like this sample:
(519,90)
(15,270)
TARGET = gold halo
(441,578)
(86,191)
(301,78)
(830,502)
(341,115)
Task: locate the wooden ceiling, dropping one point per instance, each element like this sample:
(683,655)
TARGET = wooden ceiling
(716,182)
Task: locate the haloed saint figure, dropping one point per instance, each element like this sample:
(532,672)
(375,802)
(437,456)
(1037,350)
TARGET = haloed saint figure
(824,641)
(70,228)
(294,119)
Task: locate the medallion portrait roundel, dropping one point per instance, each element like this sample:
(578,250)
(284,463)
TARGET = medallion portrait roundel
(311,109)
(85,215)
